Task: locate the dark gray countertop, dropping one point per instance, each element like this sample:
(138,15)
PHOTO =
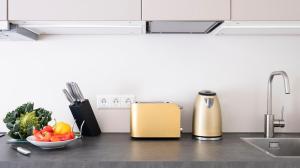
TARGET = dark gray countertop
(119,150)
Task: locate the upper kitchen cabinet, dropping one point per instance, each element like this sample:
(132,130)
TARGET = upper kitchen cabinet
(3,9)
(185,10)
(263,10)
(70,10)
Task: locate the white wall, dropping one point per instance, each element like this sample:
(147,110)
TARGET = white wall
(154,68)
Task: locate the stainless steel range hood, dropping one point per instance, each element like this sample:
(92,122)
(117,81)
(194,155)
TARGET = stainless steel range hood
(199,27)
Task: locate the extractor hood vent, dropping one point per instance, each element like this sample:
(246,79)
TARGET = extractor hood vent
(259,28)
(197,27)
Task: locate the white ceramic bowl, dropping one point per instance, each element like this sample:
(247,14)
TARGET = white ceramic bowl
(49,145)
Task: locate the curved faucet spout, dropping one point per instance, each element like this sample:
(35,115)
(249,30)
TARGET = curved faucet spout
(286,87)
(269,117)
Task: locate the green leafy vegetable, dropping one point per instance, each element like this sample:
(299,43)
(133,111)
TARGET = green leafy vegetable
(21,121)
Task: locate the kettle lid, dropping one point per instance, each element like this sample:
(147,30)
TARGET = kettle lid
(207,93)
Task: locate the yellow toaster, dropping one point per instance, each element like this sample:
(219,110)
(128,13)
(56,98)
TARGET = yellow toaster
(155,120)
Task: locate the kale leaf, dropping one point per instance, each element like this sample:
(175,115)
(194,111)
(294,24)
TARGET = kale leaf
(24,119)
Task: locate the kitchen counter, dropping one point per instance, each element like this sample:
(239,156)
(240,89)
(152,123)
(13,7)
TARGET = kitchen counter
(119,150)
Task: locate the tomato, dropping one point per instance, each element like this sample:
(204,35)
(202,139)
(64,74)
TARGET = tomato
(69,136)
(59,136)
(54,139)
(64,137)
(47,136)
(72,135)
(38,136)
(43,135)
(35,131)
(48,128)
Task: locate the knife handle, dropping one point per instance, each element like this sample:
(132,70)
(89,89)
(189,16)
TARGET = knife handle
(71,91)
(78,91)
(68,96)
(23,151)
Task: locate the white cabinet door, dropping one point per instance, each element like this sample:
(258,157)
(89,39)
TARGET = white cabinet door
(74,10)
(3,9)
(185,9)
(265,10)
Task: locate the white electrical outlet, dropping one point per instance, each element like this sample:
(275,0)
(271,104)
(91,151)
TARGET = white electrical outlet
(115,101)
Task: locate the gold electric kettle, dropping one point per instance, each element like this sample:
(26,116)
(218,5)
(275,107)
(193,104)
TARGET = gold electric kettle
(207,119)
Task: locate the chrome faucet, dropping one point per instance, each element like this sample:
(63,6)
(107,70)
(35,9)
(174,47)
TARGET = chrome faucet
(270,121)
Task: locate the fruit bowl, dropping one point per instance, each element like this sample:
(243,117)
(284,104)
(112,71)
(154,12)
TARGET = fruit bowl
(49,145)
(54,137)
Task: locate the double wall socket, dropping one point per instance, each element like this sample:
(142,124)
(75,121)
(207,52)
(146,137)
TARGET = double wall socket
(114,101)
